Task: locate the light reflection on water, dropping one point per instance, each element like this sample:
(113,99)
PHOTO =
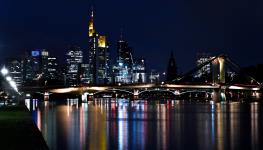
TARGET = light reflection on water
(120,124)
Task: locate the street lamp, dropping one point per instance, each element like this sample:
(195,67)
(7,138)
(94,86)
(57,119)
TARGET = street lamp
(11,82)
(4,71)
(13,85)
(164,76)
(8,78)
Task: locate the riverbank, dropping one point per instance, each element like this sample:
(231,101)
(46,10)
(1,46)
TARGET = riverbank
(18,131)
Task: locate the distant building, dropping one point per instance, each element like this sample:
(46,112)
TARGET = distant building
(99,66)
(154,76)
(84,74)
(36,63)
(62,73)
(102,62)
(122,74)
(123,69)
(74,58)
(44,63)
(28,73)
(171,73)
(35,66)
(124,52)
(200,59)
(14,66)
(139,71)
(52,68)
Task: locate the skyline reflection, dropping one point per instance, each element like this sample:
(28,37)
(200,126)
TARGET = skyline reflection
(120,124)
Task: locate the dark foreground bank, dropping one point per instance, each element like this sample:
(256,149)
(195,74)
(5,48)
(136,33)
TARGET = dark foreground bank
(18,131)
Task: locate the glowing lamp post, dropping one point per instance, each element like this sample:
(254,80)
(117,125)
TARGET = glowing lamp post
(12,83)
(8,78)
(4,71)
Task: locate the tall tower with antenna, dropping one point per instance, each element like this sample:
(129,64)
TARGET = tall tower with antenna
(91,24)
(99,67)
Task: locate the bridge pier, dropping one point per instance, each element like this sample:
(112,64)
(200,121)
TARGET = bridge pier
(46,96)
(85,97)
(219,95)
(135,94)
(222,69)
(216,95)
(220,61)
(222,95)
(215,71)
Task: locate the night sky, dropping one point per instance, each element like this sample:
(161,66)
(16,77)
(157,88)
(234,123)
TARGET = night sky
(153,28)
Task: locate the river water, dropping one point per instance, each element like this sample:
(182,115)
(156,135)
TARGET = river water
(120,124)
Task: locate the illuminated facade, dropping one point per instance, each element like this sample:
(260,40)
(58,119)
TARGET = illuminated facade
(154,76)
(28,72)
(139,71)
(122,74)
(91,25)
(124,53)
(74,59)
(102,62)
(15,69)
(36,63)
(84,74)
(44,63)
(98,56)
(124,65)
(52,68)
(35,66)
(93,44)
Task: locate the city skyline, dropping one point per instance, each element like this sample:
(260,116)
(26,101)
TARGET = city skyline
(144,30)
(86,74)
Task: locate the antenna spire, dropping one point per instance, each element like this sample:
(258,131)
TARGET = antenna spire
(121,34)
(91,23)
(92,11)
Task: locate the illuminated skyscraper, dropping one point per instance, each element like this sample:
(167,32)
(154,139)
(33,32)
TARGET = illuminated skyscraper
(93,44)
(28,72)
(124,63)
(154,76)
(102,62)
(52,68)
(15,69)
(91,24)
(35,66)
(98,56)
(36,62)
(44,63)
(74,60)
(124,52)
(84,74)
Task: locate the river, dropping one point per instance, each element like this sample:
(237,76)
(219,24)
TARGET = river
(120,124)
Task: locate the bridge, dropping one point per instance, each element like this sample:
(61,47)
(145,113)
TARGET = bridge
(217,89)
(169,90)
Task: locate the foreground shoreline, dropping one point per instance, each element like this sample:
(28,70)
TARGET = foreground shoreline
(18,130)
